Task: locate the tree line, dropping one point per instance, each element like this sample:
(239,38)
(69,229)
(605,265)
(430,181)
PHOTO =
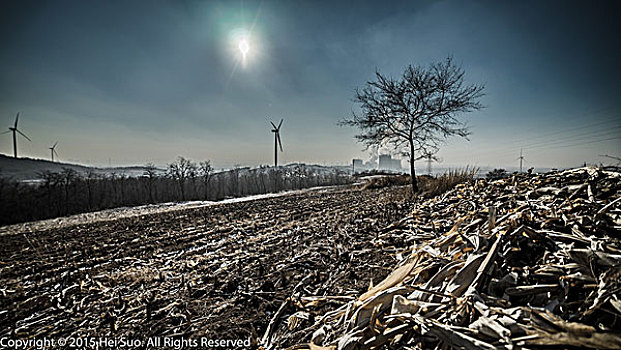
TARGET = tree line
(70,192)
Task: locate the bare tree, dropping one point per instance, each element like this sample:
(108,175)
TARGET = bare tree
(68,178)
(181,171)
(3,182)
(150,174)
(90,180)
(206,171)
(415,113)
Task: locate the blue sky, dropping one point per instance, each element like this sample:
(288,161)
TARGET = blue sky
(132,82)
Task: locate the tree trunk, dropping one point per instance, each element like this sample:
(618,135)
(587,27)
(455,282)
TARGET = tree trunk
(89,191)
(412,169)
(150,190)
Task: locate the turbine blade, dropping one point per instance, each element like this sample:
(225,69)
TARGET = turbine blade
(24,135)
(16,119)
(279,124)
(6,132)
(279,143)
(56,153)
(55,143)
(274,125)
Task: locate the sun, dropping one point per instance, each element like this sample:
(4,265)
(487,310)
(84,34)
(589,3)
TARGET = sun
(244,47)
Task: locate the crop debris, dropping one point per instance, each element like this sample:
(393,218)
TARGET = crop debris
(530,261)
(526,261)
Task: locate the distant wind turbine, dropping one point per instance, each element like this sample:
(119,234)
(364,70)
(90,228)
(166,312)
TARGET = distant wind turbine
(276,131)
(14,130)
(521,158)
(53,150)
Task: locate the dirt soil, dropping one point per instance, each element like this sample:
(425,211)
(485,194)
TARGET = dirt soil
(219,271)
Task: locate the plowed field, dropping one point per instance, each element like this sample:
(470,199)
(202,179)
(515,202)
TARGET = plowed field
(218,271)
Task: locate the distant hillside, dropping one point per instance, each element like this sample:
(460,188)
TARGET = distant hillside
(26,169)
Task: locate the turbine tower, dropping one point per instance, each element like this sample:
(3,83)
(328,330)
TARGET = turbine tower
(276,131)
(53,150)
(521,158)
(14,130)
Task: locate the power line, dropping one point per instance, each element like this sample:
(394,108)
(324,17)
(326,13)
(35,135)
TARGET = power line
(578,132)
(578,128)
(586,142)
(577,116)
(570,144)
(570,139)
(581,136)
(507,148)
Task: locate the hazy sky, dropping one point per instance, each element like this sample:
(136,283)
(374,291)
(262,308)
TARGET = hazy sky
(146,81)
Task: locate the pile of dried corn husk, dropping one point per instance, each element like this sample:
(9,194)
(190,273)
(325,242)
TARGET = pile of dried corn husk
(528,261)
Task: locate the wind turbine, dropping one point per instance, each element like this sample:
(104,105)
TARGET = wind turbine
(276,131)
(521,158)
(53,150)
(15,130)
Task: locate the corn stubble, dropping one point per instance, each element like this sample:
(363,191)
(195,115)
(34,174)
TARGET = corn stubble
(221,271)
(529,261)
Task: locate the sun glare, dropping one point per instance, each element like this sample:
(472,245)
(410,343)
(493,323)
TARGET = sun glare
(244,47)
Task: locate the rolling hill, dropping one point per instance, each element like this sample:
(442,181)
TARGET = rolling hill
(27,169)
